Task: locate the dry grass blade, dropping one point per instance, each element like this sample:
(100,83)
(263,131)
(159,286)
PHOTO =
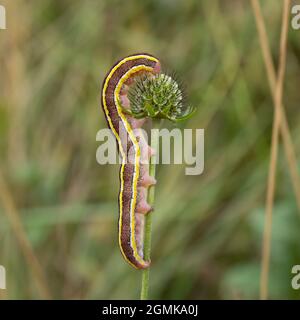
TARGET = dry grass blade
(17,227)
(284,127)
(274,151)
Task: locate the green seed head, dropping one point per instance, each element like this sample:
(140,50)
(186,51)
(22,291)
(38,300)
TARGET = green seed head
(157,97)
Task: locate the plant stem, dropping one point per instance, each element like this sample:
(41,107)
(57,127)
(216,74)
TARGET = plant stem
(148,218)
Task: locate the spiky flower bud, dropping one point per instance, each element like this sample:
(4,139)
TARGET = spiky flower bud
(157,97)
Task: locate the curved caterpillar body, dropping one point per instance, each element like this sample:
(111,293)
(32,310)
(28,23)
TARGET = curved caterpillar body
(134,176)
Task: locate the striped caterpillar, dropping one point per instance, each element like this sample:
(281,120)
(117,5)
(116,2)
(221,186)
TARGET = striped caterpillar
(134,176)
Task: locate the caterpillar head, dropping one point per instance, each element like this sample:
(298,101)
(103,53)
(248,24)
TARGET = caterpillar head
(157,96)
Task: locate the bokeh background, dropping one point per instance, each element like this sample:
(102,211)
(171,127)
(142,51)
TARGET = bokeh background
(59,210)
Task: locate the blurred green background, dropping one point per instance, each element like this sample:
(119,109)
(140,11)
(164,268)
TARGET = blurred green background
(207,229)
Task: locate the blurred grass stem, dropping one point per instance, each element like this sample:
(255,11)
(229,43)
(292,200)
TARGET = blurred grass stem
(148,218)
(266,247)
(12,214)
(284,126)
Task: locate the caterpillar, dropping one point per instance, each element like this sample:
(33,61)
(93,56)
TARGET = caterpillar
(134,175)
